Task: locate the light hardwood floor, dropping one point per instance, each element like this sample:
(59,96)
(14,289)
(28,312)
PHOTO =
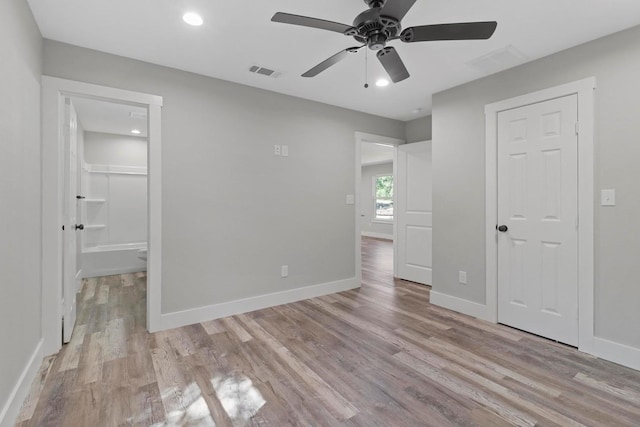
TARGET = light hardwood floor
(377,356)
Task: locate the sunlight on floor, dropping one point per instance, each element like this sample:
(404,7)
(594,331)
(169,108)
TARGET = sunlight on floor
(195,412)
(239,398)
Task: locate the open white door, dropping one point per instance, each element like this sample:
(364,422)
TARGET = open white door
(538,218)
(69,215)
(413,212)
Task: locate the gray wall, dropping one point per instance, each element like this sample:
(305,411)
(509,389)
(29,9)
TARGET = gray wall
(367,200)
(108,149)
(20,242)
(418,129)
(459,174)
(232,212)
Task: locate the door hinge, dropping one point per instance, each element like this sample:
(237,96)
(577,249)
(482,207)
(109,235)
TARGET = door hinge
(577,128)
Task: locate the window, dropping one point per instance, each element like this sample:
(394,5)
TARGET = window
(383,192)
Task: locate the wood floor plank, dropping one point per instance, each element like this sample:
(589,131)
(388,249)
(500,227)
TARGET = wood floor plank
(379,355)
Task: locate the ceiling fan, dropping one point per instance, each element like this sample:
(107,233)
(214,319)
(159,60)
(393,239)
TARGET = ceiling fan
(380,24)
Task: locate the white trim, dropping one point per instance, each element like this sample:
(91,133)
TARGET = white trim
(377,235)
(618,353)
(381,162)
(216,311)
(54,90)
(115,169)
(11,408)
(460,305)
(360,138)
(584,89)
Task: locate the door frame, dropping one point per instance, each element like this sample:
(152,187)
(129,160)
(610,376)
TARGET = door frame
(584,89)
(366,138)
(54,91)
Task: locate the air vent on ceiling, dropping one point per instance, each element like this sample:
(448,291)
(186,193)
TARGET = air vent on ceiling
(256,69)
(498,60)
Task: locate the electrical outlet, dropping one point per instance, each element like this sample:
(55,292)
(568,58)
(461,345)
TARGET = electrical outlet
(284,271)
(351,199)
(285,151)
(462,277)
(277,150)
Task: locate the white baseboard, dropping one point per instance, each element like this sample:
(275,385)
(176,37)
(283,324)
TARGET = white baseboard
(99,272)
(216,311)
(377,235)
(460,305)
(12,406)
(618,353)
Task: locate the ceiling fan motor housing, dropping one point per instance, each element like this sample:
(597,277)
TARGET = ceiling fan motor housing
(373,29)
(375,3)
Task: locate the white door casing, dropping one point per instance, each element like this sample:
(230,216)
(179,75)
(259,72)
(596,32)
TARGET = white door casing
(365,138)
(70,133)
(54,91)
(413,212)
(538,204)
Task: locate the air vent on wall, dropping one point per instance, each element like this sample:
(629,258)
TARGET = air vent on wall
(264,71)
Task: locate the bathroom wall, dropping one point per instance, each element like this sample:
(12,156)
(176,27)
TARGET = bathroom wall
(368,226)
(109,149)
(115,209)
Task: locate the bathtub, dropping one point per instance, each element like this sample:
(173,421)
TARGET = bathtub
(105,260)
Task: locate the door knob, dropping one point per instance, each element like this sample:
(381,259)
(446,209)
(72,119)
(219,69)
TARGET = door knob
(79,226)
(503,228)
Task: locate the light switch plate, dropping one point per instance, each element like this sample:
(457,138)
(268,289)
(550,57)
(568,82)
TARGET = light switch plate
(608,197)
(351,199)
(285,151)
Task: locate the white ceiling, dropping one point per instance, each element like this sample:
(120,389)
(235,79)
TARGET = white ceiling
(238,34)
(110,117)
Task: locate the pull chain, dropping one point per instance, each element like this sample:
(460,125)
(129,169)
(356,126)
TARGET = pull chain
(366,67)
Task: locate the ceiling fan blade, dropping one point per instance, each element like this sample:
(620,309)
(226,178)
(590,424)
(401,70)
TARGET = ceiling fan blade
(333,60)
(392,64)
(461,31)
(305,21)
(397,8)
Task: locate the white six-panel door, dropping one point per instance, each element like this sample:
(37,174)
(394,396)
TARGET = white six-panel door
(537,212)
(69,207)
(413,212)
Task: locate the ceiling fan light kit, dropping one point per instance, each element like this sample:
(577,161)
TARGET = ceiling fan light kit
(380,24)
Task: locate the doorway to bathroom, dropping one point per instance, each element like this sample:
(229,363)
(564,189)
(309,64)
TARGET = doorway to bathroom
(100,205)
(105,200)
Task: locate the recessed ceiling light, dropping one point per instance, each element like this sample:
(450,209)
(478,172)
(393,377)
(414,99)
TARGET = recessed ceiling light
(193,18)
(135,132)
(382,82)
(417,110)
